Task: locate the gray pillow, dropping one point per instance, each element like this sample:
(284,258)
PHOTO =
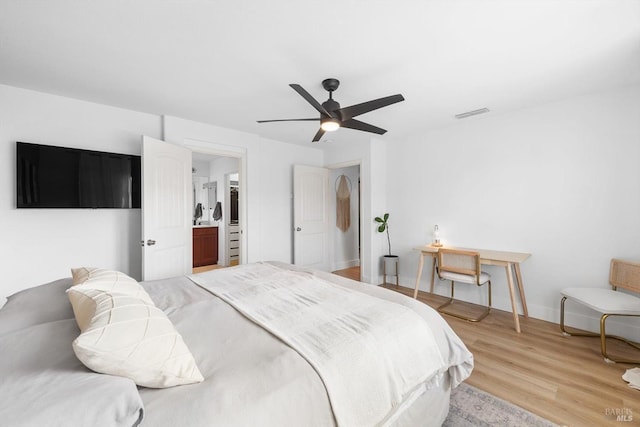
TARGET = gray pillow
(33,306)
(43,383)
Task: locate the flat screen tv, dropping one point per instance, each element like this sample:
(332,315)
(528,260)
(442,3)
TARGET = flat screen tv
(60,177)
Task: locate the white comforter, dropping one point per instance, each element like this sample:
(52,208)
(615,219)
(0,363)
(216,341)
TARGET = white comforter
(255,379)
(373,356)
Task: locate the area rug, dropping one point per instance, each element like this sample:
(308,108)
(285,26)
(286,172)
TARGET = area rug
(473,407)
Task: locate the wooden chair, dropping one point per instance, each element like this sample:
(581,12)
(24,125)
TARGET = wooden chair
(608,302)
(462,266)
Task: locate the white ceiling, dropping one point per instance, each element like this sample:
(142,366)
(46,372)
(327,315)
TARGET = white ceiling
(229,63)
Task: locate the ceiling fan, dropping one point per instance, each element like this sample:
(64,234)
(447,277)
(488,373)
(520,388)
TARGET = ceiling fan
(332,117)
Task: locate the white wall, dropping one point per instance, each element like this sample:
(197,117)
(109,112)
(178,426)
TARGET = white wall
(560,181)
(40,245)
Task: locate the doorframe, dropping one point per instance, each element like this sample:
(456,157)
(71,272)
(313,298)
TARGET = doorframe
(363,241)
(240,153)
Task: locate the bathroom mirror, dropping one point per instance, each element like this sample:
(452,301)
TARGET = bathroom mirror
(205,194)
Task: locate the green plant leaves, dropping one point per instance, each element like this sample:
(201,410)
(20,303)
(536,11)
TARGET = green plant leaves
(384,226)
(383,222)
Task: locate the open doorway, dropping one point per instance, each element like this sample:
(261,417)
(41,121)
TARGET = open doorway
(232,230)
(345,215)
(205,229)
(218,211)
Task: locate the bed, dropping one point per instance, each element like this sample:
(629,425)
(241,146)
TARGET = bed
(256,367)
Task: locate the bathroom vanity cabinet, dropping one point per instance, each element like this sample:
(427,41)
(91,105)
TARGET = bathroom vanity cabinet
(205,246)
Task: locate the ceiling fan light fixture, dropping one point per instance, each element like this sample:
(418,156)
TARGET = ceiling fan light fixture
(329,124)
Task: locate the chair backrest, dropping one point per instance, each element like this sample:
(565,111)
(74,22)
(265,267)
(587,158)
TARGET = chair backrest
(625,274)
(459,261)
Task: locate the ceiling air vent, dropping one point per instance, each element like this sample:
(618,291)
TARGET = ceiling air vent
(471,113)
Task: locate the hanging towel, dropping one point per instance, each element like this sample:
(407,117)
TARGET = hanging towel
(343,205)
(217,212)
(198,212)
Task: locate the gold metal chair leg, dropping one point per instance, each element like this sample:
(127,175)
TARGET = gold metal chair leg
(603,341)
(484,314)
(602,335)
(449,301)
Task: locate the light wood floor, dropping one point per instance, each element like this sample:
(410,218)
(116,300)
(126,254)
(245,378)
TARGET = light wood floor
(352,273)
(206,268)
(563,379)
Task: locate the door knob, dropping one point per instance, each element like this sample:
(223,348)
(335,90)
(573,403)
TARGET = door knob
(151,242)
(298,229)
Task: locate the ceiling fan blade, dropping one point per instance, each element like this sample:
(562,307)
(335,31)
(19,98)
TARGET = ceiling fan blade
(355,110)
(288,120)
(318,135)
(358,125)
(310,99)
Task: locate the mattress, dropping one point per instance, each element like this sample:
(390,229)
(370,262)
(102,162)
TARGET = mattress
(251,377)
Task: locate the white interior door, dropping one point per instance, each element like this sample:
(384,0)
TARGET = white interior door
(311,217)
(166,210)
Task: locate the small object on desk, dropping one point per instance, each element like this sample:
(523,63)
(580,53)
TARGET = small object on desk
(436,237)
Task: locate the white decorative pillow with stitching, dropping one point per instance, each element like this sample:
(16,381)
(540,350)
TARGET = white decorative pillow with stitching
(108,280)
(128,336)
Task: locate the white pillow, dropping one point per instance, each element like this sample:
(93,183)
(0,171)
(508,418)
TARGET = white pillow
(128,336)
(108,280)
(82,274)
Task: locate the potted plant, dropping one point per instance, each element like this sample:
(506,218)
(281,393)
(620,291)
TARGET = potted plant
(389,259)
(384,226)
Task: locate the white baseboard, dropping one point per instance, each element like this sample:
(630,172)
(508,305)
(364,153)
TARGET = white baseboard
(341,265)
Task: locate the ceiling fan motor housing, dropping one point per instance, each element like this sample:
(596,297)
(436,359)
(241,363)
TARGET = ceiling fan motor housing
(330,84)
(332,107)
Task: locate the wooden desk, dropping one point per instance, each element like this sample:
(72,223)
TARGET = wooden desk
(509,260)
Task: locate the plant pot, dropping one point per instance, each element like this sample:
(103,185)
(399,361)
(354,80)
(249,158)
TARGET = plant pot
(390,267)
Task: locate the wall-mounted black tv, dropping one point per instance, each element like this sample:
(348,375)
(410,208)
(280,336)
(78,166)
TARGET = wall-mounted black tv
(60,177)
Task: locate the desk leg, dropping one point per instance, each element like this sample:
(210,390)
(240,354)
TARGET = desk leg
(420,266)
(516,267)
(433,272)
(514,307)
